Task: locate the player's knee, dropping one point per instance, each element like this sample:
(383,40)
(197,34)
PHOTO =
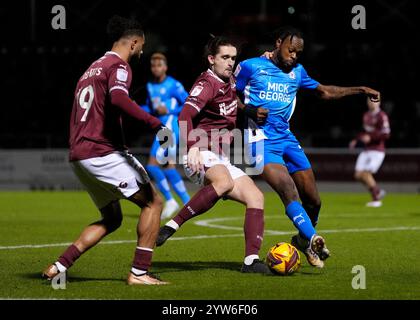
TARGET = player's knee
(287,192)
(256,200)
(358,175)
(224,186)
(157,202)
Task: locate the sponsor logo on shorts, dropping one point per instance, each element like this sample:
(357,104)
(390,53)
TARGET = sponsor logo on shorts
(123,185)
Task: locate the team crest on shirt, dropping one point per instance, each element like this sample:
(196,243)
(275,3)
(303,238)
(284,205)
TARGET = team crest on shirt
(238,69)
(196,91)
(292,75)
(122,74)
(162,90)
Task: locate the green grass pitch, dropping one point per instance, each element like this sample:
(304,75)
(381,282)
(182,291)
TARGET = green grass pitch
(204,258)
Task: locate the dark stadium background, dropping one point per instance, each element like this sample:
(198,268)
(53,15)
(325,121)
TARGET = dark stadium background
(40,66)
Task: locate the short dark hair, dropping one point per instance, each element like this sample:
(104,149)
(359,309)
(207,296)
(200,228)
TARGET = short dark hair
(159,56)
(119,27)
(283,32)
(214,43)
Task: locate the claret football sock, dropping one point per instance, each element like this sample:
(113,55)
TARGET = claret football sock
(142,260)
(160,180)
(300,219)
(254,230)
(69,256)
(201,202)
(177,184)
(374,191)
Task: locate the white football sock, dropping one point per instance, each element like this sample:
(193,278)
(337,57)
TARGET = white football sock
(250,259)
(60,267)
(172,224)
(145,249)
(137,272)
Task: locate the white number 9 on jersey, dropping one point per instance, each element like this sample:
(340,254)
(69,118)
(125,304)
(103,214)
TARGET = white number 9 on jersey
(82,100)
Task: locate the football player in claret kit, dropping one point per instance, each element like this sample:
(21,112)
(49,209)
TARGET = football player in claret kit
(376,131)
(165,98)
(272,82)
(102,162)
(209,116)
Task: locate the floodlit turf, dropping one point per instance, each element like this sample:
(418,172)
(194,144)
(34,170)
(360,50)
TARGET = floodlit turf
(382,240)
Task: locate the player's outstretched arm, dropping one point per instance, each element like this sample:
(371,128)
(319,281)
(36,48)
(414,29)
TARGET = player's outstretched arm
(353,144)
(334,92)
(120,99)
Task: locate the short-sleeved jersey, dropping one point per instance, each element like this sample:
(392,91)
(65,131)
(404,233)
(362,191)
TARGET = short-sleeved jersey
(170,93)
(95,124)
(215,100)
(263,84)
(376,125)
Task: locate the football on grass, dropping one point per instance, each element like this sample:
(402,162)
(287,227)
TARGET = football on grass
(283,259)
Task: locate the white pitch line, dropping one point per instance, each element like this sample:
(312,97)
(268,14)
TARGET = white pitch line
(210,224)
(50,245)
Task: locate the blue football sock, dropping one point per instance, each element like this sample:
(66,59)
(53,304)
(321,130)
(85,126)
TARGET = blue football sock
(300,219)
(313,213)
(160,180)
(177,183)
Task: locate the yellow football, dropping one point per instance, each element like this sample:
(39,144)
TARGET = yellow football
(283,258)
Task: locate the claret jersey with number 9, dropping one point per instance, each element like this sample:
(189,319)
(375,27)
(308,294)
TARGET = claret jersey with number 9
(95,124)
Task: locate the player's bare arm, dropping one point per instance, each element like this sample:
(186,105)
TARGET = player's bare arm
(328,92)
(352,144)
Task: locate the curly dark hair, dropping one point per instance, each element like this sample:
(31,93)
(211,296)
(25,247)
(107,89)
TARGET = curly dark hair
(119,27)
(283,32)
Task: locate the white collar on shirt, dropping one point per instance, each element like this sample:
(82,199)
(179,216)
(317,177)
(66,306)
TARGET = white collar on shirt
(114,53)
(214,75)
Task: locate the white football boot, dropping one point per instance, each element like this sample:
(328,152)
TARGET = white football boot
(171,206)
